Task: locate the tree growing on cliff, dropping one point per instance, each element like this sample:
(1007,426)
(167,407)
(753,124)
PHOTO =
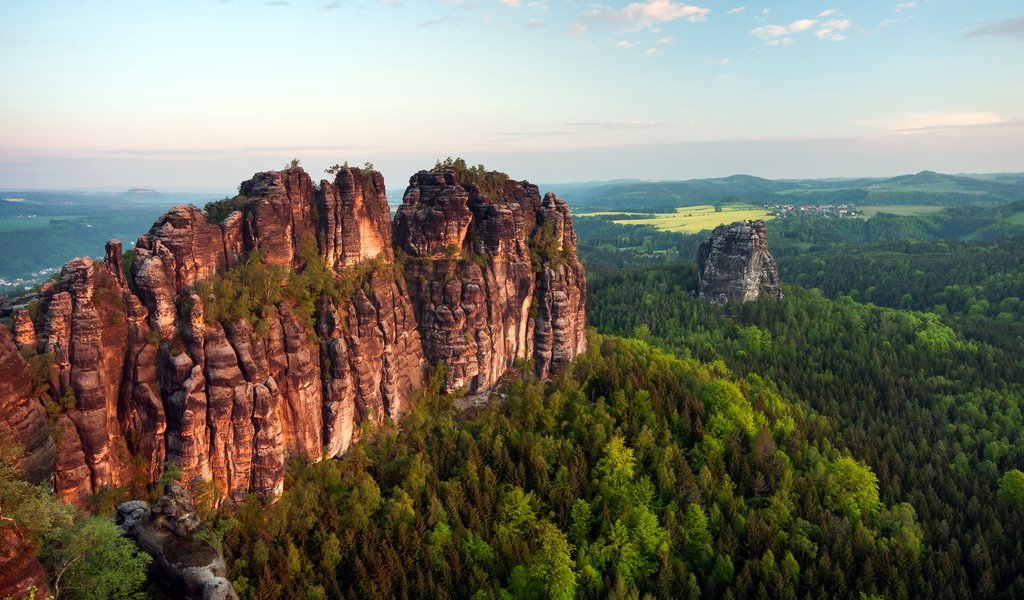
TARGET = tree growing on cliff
(84,556)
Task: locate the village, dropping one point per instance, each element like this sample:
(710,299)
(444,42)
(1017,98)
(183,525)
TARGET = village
(841,211)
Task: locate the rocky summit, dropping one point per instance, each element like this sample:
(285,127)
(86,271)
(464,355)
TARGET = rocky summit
(734,264)
(277,323)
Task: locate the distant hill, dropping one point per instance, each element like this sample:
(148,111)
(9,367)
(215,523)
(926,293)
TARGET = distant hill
(142,194)
(926,187)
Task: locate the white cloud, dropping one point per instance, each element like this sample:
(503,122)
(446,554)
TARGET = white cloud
(770,32)
(624,44)
(718,61)
(905,6)
(512,3)
(830,30)
(660,11)
(535,23)
(827,13)
(577,28)
(653,52)
(538,5)
(726,77)
(650,13)
(666,40)
(782,35)
(736,11)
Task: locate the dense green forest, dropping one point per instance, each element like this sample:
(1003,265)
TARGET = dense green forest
(910,351)
(911,406)
(634,473)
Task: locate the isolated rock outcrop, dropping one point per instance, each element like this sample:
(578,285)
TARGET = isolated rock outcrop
(734,264)
(185,565)
(138,371)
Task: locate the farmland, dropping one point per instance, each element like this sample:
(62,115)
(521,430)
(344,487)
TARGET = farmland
(689,219)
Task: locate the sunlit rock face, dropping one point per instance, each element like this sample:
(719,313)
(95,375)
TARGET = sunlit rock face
(136,376)
(484,295)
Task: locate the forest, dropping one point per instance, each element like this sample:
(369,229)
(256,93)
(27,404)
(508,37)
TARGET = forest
(860,438)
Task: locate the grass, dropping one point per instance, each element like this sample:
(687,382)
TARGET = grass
(693,219)
(30,223)
(902,210)
(1016,218)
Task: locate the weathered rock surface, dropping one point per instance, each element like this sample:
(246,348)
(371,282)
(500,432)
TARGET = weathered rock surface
(489,274)
(21,574)
(24,329)
(140,375)
(22,416)
(734,264)
(185,566)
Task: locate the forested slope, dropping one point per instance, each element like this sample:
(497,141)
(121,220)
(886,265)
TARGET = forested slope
(931,403)
(634,473)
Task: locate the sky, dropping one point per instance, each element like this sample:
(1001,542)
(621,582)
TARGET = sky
(200,94)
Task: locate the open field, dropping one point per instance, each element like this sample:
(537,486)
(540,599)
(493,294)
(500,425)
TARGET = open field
(1016,218)
(902,210)
(692,219)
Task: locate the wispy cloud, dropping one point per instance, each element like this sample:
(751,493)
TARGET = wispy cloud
(736,11)
(653,52)
(771,32)
(726,77)
(629,124)
(648,14)
(782,35)
(278,3)
(1008,27)
(827,13)
(717,61)
(535,23)
(921,121)
(905,6)
(331,6)
(666,40)
(512,3)
(831,30)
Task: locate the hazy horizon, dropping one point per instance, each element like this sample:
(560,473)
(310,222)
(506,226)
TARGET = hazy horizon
(203,93)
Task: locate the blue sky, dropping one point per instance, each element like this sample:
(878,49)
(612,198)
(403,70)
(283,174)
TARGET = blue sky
(201,93)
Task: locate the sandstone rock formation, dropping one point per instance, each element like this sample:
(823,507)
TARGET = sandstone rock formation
(185,565)
(734,264)
(152,367)
(22,416)
(492,273)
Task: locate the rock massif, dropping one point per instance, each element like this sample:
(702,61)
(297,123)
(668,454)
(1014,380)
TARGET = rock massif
(734,264)
(126,368)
